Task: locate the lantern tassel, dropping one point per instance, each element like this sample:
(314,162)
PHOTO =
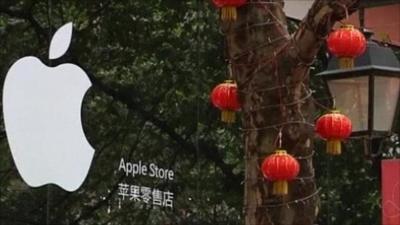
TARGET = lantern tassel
(228,116)
(334,147)
(346,63)
(280,187)
(228,13)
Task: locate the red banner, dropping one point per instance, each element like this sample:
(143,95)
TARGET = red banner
(391,192)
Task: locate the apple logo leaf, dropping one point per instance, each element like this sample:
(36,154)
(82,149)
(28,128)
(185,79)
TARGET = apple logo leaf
(60,42)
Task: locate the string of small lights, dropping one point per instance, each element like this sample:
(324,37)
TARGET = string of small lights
(302,157)
(234,64)
(256,59)
(303,201)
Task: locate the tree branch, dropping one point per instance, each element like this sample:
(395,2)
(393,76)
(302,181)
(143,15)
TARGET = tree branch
(131,100)
(27,16)
(318,23)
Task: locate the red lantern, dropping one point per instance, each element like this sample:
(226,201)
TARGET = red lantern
(228,8)
(346,43)
(334,127)
(224,96)
(280,168)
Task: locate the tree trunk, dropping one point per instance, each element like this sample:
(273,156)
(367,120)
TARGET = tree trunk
(271,68)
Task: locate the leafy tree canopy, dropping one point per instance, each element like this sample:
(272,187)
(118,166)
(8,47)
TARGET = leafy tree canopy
(152,64)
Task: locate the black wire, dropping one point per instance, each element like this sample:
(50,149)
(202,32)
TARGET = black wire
(198,47)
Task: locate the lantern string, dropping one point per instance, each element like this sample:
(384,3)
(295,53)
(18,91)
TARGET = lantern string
(327,108)
(281,106)
(230,72)
(280,138)
(344,8)
(293,202)
(334,103)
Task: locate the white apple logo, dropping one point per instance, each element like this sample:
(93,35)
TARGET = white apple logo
(42,116)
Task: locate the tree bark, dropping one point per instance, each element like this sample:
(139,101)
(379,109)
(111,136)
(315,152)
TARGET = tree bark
(271,68)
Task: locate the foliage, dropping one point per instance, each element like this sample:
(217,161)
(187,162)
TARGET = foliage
(152,65)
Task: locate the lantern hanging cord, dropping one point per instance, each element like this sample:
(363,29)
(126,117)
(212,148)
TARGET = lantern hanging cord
(315,100)
(293,202)
(346,11)
(230,72)
(279,139)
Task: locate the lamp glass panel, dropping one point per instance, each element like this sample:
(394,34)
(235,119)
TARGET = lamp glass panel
(385,102)
(351,98)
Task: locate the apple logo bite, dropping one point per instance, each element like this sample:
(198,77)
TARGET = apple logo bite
(42,116)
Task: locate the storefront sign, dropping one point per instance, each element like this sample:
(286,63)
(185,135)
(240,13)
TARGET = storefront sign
(42,116)
(144,194)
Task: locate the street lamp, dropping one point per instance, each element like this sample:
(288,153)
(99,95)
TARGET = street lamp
(368,93)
